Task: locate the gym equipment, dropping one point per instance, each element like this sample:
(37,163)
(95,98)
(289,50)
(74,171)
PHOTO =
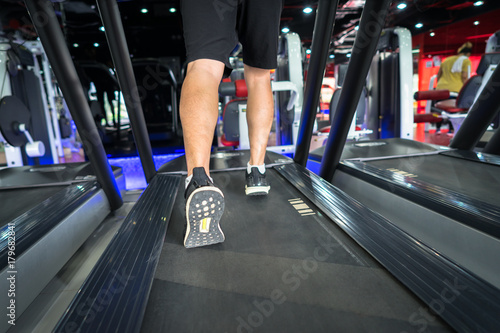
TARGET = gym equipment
(158,88)
(262,276)
(389,85)
(54,211)
(443,196)
(456,109)
(378,114)
(275,271)
(14,117)
(20,70)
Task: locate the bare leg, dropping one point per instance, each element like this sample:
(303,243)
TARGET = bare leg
(199,110)
(260,111)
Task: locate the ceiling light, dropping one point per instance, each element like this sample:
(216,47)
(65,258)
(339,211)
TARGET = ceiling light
(144,10)
(432,34)
(172,10)
(476,22)
(307,10)
(285,30)
(101,28)
(356,28)
(332,56)
(75,45)
(308,51)
(402,5)
(478,3)
(348,55)
(96,44)
(419,25)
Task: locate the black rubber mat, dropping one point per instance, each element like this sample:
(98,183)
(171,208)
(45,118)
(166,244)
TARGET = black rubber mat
(475,179)
(377,148)
(15,202)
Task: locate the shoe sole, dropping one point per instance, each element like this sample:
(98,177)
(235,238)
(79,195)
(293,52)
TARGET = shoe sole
(204,209)
(257,190)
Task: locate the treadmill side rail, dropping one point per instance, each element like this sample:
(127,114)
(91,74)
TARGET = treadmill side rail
(31,226)
(115,294)
(423,270)
(469,211)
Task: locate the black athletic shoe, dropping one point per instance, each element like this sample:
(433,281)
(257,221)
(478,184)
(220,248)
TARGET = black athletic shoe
(256,183)
(204,208)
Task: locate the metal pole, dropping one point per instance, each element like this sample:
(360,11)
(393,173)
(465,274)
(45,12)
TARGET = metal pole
(323,29)
(113,27)
(370,28)
(493,145)
(480,115)
(48,29)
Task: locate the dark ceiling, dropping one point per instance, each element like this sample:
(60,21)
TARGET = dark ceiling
(158,33)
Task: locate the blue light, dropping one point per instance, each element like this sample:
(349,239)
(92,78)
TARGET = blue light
(285,30)
(402,5)
(419,25)
(478,3)
(307,10)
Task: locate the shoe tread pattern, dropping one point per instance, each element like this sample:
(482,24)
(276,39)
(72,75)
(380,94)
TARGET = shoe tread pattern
(204,202)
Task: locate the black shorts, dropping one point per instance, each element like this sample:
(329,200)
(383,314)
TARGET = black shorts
(213,28)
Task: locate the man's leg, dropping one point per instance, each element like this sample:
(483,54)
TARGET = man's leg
(199,110)
(260,111)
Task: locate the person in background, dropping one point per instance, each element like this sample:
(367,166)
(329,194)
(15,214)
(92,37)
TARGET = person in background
(211,31)
(453,73)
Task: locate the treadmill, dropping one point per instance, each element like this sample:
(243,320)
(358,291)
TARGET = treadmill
(447,197)
(48,211)
(308,257)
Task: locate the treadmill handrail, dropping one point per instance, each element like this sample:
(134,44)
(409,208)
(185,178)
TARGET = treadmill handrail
(53,42)
(115,35)
(323,29)
(365,45)
(480,116)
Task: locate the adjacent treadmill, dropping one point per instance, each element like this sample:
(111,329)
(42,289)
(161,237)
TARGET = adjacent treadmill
(48,211)
(447,197)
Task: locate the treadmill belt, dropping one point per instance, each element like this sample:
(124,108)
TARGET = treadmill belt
(284,267)
(15,202)
(477,180)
